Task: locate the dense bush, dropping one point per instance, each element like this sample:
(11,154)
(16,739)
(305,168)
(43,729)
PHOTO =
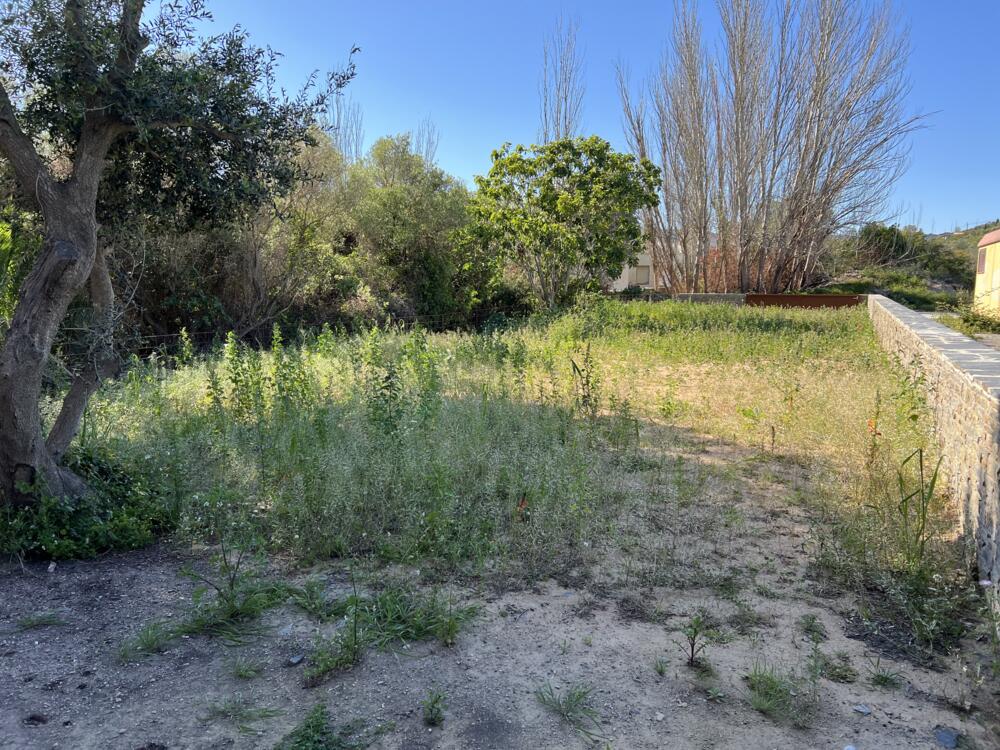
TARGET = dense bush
(352,245)
(121,512)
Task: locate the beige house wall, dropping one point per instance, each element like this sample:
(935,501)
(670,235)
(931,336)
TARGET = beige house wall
(640,275)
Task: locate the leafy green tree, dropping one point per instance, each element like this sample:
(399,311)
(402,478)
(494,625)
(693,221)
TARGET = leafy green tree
(82,82)
(406,219)
(563,214)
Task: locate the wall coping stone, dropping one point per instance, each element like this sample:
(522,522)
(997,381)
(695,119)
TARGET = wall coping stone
(977,362)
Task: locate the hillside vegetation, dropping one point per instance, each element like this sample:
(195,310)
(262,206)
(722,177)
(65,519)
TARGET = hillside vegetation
(922,271)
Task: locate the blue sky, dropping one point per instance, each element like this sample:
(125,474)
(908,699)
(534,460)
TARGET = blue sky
(473,68)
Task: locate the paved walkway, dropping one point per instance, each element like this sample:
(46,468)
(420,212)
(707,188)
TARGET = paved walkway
(990,339)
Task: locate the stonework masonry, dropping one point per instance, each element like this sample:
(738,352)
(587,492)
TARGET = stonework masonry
(962,379)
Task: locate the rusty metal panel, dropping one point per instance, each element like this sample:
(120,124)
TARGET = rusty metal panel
(804,300)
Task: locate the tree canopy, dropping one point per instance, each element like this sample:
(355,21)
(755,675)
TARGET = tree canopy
(563,213)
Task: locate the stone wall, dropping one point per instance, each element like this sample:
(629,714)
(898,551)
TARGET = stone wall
(962,380)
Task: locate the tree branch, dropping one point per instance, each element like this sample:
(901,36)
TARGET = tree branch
(130,42)
(99,132)
(29,169)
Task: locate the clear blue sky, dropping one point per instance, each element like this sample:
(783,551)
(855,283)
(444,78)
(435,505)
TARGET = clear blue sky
(473,68)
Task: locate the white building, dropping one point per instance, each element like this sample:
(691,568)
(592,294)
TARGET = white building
(640,275)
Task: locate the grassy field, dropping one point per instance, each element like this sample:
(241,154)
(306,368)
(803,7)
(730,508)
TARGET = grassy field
(418,447)
(681,460)
(521,453)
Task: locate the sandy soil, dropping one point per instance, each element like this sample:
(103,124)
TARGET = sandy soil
(739,531)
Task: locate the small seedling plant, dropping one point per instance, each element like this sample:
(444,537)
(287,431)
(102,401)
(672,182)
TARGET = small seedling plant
(433,708)
(573,706)
(697,636)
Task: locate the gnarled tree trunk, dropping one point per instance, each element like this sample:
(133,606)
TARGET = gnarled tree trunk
(65,264)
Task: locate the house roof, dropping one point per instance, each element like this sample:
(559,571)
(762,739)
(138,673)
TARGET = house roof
(990,238)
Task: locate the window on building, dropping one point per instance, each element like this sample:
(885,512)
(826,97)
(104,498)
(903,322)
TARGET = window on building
(981,265)
(642,275)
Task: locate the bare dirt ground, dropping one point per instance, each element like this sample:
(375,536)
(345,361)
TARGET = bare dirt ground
(732,541)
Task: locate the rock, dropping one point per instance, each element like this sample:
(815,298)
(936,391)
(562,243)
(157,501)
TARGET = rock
(294,661)
(862,709)
(946,736)
(286,630)
(659,716)
(34,720)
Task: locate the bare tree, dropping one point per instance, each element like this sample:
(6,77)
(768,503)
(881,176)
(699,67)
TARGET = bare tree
(561,89)
(424,141)
(680,230)
(794,131)
(346,127)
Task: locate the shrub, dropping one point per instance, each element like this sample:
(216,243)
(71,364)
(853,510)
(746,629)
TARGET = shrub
(120,512)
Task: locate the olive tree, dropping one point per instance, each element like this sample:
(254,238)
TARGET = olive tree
(85,84)
(563,213)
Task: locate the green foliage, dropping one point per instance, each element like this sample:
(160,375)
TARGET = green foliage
(564,213)
(882,676)
(813,628)
(573,706)
(244,668)
(676,331)
(151,638)
(405,220)
(335,654)
(123,511)
(697,635)
(40,620)
(204,137)
(433,708)
(458,452)
(317,732)
(888,546)
(900,285)
(240,712)
(19,242)
(350,245)
(783,697)
(930,257)
(965,242)
(392,615)
(971,321)
(918,270)
(836,669)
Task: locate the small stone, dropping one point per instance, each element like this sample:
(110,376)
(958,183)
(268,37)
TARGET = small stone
(862,709)
(946,736)
(659,716)
(286,630)
(34,720)
(294,661)
(52,566)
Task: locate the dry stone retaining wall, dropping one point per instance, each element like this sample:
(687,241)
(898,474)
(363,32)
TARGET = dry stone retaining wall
(962,379)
